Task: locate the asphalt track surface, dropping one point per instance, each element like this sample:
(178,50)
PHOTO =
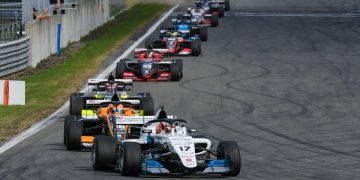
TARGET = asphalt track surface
(284,88)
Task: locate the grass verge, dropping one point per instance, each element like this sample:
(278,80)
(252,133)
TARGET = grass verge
(49,89)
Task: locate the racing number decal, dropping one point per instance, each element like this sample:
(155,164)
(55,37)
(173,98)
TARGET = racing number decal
(184,148)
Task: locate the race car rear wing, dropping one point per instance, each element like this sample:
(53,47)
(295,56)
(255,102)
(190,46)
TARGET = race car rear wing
(162,51)
(136,120)
(98,102)
(94,82)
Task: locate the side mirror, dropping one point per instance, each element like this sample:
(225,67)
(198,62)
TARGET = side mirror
(147,131)
(192,130)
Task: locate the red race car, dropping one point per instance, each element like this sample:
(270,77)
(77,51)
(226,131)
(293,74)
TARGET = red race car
(149,67)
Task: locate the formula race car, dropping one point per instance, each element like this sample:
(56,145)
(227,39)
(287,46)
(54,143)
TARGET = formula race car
(162,145)
(215,6)
(79,131)
(187,30)
(200,17)
(173,43)
(105,89)
(149,70)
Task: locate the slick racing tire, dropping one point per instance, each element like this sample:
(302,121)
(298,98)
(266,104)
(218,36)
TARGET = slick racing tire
(180,62)
(103,153)
(76,104)
(120,69)
(195,48)
(175,72)
(203,33)
(74,132)
(130,159)
(67,121)
(147,104)
(221,11)
(227,5)
(230,150)
(214,20)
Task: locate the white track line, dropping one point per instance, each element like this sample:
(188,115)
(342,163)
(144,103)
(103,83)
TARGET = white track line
(51,119)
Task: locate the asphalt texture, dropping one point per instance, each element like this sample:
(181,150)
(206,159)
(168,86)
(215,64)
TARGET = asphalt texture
(285,88)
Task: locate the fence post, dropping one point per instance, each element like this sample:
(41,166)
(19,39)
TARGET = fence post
(58,39)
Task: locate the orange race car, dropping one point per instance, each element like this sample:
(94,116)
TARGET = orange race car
(79,131)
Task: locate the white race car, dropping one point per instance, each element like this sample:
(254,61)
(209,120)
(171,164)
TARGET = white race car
(163,145)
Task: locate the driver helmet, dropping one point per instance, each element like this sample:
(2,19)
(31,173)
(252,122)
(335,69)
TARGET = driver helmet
(183,21)
(174,34)
(198,5)
(164,128)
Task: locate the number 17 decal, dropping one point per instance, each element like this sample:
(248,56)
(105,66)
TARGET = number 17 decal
(184,148)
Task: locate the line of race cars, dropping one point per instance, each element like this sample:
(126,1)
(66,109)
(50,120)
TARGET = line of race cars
(123,130)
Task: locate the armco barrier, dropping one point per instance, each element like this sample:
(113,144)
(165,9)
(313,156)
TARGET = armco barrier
(14,56)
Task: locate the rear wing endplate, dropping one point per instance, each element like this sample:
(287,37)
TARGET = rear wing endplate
(136,120)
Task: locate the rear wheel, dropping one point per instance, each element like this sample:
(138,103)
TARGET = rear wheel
(203,33)
(147,104)
(227,5)
(230,150)
(103,153)
(175,72)
(221,11)
(76,104)
(120,69)
(74,132)
(214,20)
(67,121)
(130,159)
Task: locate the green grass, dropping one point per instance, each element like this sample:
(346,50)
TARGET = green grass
(49,89)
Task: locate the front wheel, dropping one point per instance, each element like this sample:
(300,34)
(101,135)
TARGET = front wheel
(175,72)
(103,153)
(76,104)
(214,20)
(73,137)
(229,150)
(195,48)
(203,33)
(180,62)
(120,69)
(130,159)
(221,11)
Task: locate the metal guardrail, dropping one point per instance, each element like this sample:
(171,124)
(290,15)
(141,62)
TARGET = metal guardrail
(14,56)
